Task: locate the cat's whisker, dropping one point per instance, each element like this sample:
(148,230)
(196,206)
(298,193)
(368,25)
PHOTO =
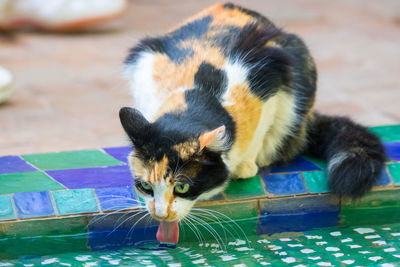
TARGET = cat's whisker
(185,220)
(213,217)
(227,223)
(129,217)
(134,225)
(211,230)
(229,219)
(201,237)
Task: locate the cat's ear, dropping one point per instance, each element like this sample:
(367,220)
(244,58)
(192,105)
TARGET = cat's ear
(134,123)
(214,140)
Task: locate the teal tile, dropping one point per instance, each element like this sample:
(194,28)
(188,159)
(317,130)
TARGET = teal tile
(244,188)
(6,208)
(27,182)
(317,181)
(71,160)
(75,201)
(394,170)
(390,133)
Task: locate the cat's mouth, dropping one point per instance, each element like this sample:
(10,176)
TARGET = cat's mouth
(168,232)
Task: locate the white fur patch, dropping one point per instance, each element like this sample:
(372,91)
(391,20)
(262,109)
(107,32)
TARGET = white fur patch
(209,194)
(142,85)
(236,74)
(337,159)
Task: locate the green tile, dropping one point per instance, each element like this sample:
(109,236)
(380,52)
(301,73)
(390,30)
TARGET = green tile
(6,208)
(317,181)
(75,201)
(389,133)
(71,160)
(235,211)
(43,237)
(27,182)
(394,170)
(244,188)
(377,207)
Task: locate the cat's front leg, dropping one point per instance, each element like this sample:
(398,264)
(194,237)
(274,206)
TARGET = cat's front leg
(245,169)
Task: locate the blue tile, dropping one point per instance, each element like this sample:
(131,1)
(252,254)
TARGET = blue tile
(297,214)
(116,198)
(393,150)
(383,179)
(14,164)
(284,184)
(33,204)
(120,153)
(6,208)
(112,176)
(121,229)
(296,165)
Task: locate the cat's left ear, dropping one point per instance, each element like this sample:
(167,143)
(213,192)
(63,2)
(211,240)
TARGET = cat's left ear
(214,140)
(134,123)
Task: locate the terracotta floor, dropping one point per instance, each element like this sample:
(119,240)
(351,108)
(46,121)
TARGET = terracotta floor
(69,88)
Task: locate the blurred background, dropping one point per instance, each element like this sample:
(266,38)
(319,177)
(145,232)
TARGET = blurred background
(69,87)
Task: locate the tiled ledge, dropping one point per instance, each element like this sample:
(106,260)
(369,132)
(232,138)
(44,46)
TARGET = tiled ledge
(70,193)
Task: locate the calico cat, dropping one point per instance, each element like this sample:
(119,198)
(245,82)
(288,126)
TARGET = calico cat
(218,97)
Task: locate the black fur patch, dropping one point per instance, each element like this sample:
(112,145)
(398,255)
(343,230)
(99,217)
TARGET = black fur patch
(362,154)
(270,67)
(193,30)
(148,44)
(210,79)
(211,175)
(171,43)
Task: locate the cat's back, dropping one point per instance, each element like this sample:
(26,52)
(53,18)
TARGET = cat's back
(203,52)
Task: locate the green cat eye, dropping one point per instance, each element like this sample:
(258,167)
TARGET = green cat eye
(182,188)
(145,185)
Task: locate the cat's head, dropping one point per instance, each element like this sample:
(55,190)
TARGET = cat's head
(174,168)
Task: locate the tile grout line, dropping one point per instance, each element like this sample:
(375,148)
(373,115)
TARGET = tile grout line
(97,201)
(42,171)
(14,206)
(53,202)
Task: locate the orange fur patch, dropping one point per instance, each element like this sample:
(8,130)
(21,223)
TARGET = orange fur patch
(246,111)
(174,103)
(221,17)
(159,170)
(186,149)
(169,76)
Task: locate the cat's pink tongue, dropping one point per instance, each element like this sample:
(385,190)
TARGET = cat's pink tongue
(168,232)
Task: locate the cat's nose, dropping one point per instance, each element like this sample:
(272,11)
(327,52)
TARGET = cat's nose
(160,213)
(160,218)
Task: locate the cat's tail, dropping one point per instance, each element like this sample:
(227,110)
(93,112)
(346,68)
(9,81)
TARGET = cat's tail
(355,156)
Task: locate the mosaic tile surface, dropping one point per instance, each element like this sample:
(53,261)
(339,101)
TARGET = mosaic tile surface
(6,208)
(245,188)
(27,182)
(284,184)
(353,246)
(33,204)
(112,176)
(11,164)
(71,160)
(75,201)
(116,198)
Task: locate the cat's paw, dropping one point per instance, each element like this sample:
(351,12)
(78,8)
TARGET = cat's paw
(245,170)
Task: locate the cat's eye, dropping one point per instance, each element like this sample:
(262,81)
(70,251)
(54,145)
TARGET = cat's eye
(182,188)
(146,185)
